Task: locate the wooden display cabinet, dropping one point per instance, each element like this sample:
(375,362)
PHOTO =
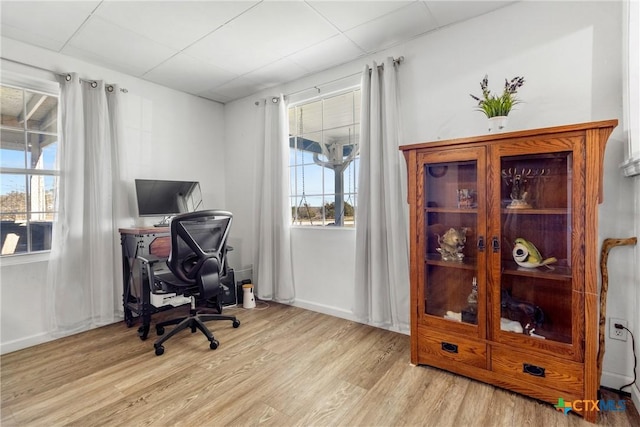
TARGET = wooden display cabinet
(478,312)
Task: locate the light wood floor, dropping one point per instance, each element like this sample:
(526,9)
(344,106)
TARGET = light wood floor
(284,366)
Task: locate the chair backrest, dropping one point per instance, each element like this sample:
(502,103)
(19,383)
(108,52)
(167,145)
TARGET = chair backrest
(198,248)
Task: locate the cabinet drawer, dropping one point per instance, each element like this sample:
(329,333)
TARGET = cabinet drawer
(443,347)
(546,372)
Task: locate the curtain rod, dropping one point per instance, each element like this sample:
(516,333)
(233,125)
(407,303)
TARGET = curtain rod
(396,61)
(67,76)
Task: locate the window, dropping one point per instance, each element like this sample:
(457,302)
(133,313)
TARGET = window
(323,159)
(29,168)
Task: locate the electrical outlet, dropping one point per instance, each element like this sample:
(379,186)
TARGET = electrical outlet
(615,333)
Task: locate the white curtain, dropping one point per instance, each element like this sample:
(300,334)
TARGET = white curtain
(84,278)
(273,267)
(382,251)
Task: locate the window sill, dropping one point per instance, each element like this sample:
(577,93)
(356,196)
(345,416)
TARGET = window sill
(631,167)
(24,258)
(321,227)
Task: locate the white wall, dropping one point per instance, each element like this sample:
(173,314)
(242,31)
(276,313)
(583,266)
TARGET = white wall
(168,135)
(570,55)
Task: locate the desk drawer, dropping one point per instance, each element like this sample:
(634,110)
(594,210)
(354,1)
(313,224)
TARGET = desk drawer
(546,372)
(445,347)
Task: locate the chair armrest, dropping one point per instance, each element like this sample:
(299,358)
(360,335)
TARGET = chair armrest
(149,264)
(149,259)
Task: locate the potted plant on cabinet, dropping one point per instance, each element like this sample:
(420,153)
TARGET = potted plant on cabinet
(497,107)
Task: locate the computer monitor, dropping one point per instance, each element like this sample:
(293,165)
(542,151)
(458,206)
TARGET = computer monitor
(167,198)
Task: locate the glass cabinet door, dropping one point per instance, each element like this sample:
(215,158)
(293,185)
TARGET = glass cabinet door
(453,207)
(537,294)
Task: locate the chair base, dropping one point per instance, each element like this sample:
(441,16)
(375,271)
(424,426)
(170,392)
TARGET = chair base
(194,322)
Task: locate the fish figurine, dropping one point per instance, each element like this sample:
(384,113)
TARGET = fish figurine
(527,255)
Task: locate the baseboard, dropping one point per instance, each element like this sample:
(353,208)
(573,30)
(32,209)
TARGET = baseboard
(43,337)
(325,309)
(614,381)
(337,312)
(15,345)
(635,396)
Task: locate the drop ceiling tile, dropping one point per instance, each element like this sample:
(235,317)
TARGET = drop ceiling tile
(277,72)
(114,47)
(213,96)
(176,24)
(232,54)
(188,74)
(446,13)
(99,59)
(348,14)
(262,35)
(393,28)
(334,51)
(42,23)
(30,37)
(237,88)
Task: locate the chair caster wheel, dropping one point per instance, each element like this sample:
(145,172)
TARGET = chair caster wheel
(159,350)
(159,330)
(214,344)
(236,323)
(143,332)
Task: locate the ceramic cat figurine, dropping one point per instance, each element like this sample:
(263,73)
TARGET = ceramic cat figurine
(452,243)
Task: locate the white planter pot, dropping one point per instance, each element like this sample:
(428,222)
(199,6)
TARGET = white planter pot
(498,123)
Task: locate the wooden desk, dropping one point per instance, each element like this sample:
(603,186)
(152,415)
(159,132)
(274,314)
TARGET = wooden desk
(136,299)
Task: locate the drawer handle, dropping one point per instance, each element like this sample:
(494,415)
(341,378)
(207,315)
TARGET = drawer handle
(449,348)
(534,370)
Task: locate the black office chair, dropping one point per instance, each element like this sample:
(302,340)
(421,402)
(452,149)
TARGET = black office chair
(198,267)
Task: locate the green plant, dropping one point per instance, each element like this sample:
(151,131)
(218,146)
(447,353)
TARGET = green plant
(498,105)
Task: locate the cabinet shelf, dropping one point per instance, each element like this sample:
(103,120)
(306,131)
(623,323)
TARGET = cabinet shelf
(550,336)
(452,210)
(465,264)
(546,211)
(557,273)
